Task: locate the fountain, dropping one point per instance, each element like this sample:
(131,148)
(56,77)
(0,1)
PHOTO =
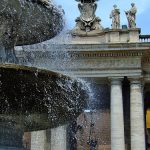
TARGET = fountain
(32,99)
(24,22)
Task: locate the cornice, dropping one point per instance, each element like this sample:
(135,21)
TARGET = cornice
(91,50)
(97,54)
(88,47)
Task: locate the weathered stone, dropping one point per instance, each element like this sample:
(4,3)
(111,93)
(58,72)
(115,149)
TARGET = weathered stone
(59,134)
(137,115)
(105,36)
(87,22)
(39,140)
(115,16)
(117,122)
(131,16)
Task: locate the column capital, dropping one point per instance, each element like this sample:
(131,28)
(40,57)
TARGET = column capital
(115,80)
(136,80)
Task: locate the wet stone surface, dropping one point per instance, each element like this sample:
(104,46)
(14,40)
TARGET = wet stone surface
(38,99)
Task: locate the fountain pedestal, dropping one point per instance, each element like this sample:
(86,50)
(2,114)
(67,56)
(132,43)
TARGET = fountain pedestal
(10,138)
(36,100)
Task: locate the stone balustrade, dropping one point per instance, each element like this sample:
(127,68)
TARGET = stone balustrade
(144,38)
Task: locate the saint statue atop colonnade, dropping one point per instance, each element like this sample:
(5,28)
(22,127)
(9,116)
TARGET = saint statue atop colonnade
(88,24)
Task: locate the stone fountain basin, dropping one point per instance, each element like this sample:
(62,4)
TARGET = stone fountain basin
(24,22)
(35,99)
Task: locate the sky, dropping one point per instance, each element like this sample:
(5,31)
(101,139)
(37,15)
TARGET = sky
(103,11)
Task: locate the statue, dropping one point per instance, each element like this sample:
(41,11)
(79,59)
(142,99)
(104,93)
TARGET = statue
(115,16)
(87,22)
(131,16)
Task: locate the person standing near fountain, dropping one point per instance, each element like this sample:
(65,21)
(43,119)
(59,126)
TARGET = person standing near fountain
(92,142)
(115,16)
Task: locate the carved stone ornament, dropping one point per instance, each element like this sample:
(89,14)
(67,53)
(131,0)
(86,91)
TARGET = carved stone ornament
(87,16)
(131,16)
(87,22)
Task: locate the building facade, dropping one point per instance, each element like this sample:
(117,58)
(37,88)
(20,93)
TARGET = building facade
(119,71)
(116,63)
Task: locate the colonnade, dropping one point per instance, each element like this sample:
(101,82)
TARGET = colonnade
(57,139)
(136,115)
(58,135)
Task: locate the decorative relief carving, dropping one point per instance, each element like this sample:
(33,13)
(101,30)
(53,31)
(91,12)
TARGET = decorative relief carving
(87,22)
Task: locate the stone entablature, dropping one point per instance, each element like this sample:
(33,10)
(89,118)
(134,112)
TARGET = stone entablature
(97,60)
(69,47)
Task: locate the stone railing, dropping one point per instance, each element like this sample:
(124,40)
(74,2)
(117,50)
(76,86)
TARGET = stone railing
(144,38)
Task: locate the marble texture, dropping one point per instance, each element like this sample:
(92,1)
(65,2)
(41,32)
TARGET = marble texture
(137,115)
(117,121)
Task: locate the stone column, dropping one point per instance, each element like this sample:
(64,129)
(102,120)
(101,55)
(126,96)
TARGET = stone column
(117,120)
(137,116)
(39,140)
(59,138)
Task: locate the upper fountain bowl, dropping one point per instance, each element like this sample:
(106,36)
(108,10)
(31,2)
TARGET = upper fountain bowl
(25,22)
